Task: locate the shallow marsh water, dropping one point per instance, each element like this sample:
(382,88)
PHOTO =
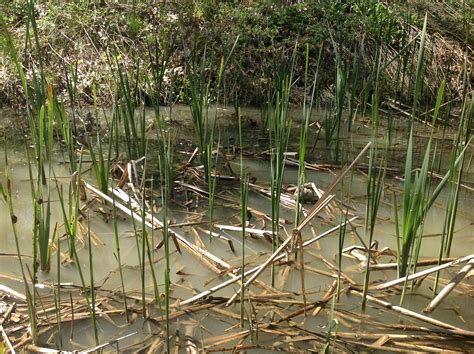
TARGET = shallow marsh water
(189,276)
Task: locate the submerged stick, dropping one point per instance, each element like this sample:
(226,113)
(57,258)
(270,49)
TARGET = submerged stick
(448,288)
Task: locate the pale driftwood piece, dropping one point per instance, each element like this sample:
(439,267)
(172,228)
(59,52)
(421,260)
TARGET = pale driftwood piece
(415,315)
(110,343)
(253,270)
(423,273)
(13,293)
(421,347)
(422,263)
(285,200)
(399,336)
(158,224)
(7,340)
(193,155)
(4,334)
(36,349)
(448,288)
(123,208)
(248,230)
(308,166)
(271,259)
(7,313)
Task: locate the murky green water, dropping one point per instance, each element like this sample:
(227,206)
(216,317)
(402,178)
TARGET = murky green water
(189,276)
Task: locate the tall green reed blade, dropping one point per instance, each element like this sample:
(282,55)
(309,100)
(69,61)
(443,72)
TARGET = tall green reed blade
(71,219)
(158,60)
(32,105)
(341,78)
(413,193)
(376,175)
(70,216)
(150,257)
(166,185)
(166,170)
(101,164)
(212,178)
(42,79)
(144,242)
(355,73)
(71,226)
(41,200)
(244,191)
(92,285)
(200,100)
(462,138)
(456,172)
(212,181)
(57,290)
(334,124)
(6,194)
(201,96)
(330,326)
(419,73)
(41,135)
(279,134)
(67,136)
(71,86)
(307,110)
(141,259)
(341,239)
(125,103)
(118,257)
(375,185)
(19,67)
